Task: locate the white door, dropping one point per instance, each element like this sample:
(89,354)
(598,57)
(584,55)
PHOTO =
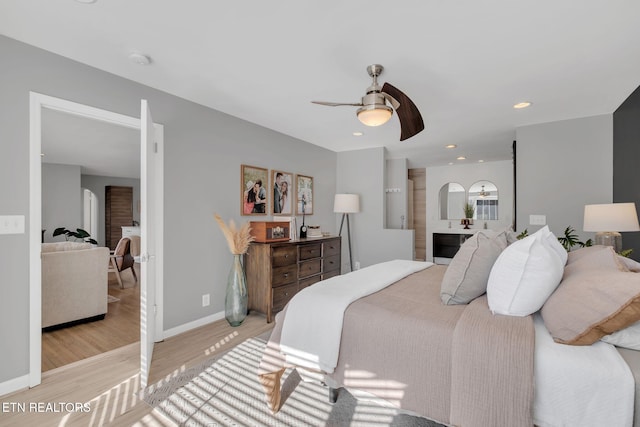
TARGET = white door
(147,243)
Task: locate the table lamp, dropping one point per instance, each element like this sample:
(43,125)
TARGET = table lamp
(608,220)
(346,204)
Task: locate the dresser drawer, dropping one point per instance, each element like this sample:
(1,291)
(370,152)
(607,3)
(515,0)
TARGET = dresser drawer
(330,274)
(283,255)
(331,263)
(308,282)
(283,275)
(282,295)
(309,251)
(309,268)
(331,248)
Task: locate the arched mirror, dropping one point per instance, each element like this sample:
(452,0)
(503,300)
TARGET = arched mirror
(483,195)
(452,200)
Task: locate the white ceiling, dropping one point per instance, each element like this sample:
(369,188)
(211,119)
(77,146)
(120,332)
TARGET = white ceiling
(100,148)
(464,63)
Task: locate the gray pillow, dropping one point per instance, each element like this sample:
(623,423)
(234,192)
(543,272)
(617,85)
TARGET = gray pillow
(467,275)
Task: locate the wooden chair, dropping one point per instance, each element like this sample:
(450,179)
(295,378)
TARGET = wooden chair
(121,259)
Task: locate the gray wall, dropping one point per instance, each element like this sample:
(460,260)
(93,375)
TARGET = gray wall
(203,152)
(626,153)
(97,184)
(363,172)
(61,199)
(563,166)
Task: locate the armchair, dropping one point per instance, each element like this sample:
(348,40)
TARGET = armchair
(121,259)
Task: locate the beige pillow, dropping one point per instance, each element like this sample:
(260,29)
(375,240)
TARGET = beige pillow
(597,296)
(467,275)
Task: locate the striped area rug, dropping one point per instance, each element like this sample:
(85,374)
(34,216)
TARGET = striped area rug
(226,392)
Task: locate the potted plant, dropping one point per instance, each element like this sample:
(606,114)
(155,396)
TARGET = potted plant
(79,234)
(469,209)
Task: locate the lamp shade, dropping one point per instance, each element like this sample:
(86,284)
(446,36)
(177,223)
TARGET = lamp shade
(374,115)
(346,203)
(611,217)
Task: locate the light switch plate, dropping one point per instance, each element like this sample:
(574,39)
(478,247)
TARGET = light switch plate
(537,220)
(11,224)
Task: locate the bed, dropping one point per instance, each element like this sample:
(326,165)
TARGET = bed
(458,364)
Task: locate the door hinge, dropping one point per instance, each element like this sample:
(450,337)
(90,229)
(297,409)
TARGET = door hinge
(155,147)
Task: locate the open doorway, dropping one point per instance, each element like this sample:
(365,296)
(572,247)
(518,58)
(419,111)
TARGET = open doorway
(151,205)
(82,159)
(419,212)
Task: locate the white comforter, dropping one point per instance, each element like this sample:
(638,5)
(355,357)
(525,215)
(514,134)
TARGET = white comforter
(313,327)
(580,385)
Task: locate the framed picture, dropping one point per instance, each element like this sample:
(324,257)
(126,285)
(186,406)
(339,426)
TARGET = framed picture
(304,195)
(283,193)
(254,194)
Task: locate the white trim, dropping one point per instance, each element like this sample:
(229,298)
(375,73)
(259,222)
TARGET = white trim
(14,384)
(37,102)
(159,219)
(195,324)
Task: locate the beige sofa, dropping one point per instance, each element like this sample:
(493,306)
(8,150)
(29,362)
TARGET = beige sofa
(74,282)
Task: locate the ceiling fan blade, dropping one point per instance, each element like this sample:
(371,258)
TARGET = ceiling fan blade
(410,119)
(337,104)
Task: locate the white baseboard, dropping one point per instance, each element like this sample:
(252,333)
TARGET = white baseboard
(14,384)
(192,325)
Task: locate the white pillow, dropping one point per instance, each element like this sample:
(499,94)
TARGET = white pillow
(525,274)
(554,244)
(628,337)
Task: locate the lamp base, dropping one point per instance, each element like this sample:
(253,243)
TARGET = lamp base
(609,238)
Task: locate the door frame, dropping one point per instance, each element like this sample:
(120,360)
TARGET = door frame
(37,102)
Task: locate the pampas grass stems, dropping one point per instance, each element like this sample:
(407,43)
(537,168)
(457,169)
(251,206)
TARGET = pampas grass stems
(238,239)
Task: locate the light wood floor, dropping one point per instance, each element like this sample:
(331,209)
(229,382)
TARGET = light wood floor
(109,382)
(121,326)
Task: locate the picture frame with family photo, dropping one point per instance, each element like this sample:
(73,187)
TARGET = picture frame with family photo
(282,193)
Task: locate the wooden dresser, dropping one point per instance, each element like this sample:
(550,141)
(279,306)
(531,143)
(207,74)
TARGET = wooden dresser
(277,271)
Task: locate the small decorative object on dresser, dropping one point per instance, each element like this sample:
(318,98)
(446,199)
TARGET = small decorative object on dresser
(314,231)
(235,302)
(270,231)
(277,271)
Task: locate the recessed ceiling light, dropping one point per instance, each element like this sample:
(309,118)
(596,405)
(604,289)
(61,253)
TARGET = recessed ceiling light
(450,146)
(86,1)
(358,134)
(480,161)
(140,59)
(520,105)
(450,163)
(461,158)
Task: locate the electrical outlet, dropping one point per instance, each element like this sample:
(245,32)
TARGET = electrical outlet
(357,265)
(205,300)
(537,220)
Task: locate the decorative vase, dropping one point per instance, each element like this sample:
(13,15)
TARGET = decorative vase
(235,302)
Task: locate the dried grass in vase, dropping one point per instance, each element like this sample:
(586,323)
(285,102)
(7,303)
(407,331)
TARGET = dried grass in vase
(237,238)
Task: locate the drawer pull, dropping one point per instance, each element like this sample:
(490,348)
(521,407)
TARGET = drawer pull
(286,274)
(286,255)
(286,294)
(330,262)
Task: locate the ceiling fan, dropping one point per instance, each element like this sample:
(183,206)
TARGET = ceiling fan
(374,110)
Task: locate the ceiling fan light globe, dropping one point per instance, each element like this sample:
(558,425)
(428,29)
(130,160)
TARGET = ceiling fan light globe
(374,115)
